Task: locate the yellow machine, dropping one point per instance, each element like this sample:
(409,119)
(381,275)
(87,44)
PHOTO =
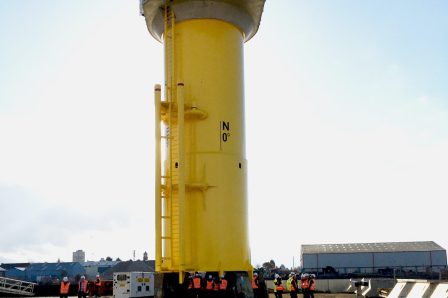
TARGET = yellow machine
(201,169)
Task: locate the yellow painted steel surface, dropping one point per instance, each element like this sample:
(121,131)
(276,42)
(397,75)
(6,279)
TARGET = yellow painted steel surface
(201,192)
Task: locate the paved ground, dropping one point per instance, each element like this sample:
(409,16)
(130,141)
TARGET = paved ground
(342,295)
(272,296)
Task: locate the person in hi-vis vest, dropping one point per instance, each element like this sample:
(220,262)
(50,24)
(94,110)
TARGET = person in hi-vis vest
(255,286)
(278,286)
(312,285)
(82,287)
(65,287)
(97,286)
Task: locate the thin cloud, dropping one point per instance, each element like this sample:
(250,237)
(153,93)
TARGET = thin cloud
(423,100)
(28,222)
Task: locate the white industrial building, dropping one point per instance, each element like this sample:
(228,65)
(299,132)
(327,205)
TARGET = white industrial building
(374,258)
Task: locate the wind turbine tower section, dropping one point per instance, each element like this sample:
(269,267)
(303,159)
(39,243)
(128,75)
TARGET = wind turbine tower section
(201,169)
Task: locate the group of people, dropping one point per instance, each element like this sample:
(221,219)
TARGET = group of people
(83,287)
(196,285)
(217,286)
(229,285)
(307,284)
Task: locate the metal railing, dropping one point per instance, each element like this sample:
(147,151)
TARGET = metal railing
(14,286)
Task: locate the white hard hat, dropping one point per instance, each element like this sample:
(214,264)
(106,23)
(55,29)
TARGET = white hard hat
(255,274)
(209,276)
(83,277)
(65,278)
(97,275)
(277,276)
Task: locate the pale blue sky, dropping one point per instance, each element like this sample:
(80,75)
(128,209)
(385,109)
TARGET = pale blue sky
(346,116)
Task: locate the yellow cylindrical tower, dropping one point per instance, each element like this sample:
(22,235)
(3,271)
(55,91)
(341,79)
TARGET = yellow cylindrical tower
(201,195)
(216,213)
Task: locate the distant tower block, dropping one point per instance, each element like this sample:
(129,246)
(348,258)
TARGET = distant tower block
(201,200)
(79,256)
(145,256)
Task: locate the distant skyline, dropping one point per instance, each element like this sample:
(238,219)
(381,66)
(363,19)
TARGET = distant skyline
(346,124)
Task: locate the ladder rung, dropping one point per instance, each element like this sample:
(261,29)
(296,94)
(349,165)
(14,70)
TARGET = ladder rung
(165,217)
(166,177)
(166,237)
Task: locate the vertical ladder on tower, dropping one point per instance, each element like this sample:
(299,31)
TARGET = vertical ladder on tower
(170,169)
(167,207)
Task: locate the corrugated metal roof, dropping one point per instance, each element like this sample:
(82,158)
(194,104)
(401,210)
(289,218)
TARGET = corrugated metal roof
(102,263)
(71,268)
(371,247)
(1,269)
(12,265)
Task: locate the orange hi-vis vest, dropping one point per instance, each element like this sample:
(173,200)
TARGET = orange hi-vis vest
(84,286)
(197,282)
(216,288)
(278,285)
(223,285)
(190,283)
(312,285)
(293,286)
(98,282)
(254,283)
(209,285)
(64,287)
(305,284)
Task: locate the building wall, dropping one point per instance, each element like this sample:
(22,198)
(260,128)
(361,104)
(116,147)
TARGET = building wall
(377,260)
(91,272)
(439,258)
(337,260)
(391,259)
(15,273)
(345,260)
(309,261)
